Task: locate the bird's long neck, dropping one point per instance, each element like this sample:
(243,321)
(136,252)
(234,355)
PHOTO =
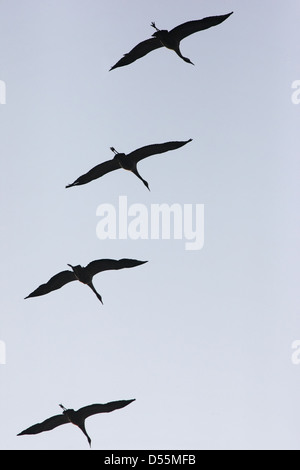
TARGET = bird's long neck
(82,427)
(91,285)
(186,59)
(135,171)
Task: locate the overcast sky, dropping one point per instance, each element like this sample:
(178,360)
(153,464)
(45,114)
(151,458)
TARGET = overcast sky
(202,339)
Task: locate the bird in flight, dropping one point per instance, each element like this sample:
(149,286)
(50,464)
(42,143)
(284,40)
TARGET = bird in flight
(84,275)
(170,39)
(75,417)
(127,162)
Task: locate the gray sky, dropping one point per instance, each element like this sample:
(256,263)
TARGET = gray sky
(201,339)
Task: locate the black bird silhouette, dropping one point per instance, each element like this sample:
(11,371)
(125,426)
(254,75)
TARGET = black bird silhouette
(84,275)
(75,417)
(170,39)
(128,162)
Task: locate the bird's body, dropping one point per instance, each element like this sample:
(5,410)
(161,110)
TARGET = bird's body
(72,416)
(84,275)
(166,39)
(75,417)
(170,39)
(127,161)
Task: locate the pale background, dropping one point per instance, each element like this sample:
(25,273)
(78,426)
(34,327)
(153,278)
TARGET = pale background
(203,339)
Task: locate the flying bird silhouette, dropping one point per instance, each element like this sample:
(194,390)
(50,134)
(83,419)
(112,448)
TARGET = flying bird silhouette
(84,275)
(127,162)
(170,39)
(75,417)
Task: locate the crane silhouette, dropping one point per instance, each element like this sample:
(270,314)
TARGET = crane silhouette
(127,162)
(75,417)
(170,39)
(84,275)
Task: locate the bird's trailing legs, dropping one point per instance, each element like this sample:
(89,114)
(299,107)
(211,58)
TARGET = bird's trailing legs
(114,150)
(154,26)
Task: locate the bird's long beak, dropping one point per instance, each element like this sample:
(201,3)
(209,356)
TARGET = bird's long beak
(65,409)
(70,266)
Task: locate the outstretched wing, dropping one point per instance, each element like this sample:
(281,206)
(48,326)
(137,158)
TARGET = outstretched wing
(96,172)
(46,425)
(138,51)
(185,29)
(149,150)
(90,410)
(56,282)
(100,265)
